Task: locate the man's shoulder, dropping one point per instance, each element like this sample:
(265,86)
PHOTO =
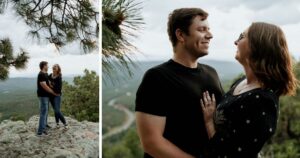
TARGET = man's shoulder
(42,75)
(158,68)
(208,68)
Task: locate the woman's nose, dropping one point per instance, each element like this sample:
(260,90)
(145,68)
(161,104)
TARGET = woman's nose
(236,42)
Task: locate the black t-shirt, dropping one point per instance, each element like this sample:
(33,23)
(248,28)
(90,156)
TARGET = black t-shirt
(56,83)
(42,77)
(174,91)
(244,123)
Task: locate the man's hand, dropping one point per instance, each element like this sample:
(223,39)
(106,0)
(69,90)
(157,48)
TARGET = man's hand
(47,88)
(208,105)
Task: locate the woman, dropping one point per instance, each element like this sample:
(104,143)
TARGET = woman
(247,115)
(55,79)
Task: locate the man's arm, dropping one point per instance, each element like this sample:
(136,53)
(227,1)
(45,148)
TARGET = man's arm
(47,88)
(150,130)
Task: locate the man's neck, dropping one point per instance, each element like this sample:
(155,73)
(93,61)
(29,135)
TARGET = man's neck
(43,71)
(185,59)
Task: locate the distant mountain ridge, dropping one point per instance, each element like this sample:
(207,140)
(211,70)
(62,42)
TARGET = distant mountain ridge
(18,98)
(226,70)
(22,83)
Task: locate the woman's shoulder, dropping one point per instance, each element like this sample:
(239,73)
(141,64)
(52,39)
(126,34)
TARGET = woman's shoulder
(59,77)
(262,97)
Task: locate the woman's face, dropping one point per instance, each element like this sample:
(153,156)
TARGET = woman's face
(243,48)
(55,69)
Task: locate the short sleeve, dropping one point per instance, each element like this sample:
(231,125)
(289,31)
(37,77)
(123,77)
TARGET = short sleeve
(150,96)
(257,121)
(42,77)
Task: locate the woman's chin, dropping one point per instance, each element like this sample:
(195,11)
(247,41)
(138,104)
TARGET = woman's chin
(237,57)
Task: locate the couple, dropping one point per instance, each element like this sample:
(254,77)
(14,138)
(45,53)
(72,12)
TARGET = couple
(49,91)
(181,109)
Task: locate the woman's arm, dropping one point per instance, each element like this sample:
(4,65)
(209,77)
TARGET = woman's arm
(59,84)
(255,124)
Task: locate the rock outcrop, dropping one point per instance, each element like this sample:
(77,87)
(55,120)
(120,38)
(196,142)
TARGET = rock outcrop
(18,140)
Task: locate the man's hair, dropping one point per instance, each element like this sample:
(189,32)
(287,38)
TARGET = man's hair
(42,64)
(182,19)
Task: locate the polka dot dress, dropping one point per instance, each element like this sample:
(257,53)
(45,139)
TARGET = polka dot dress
(244,123)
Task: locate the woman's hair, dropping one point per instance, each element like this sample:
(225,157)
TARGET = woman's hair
(58,69)
(270,59)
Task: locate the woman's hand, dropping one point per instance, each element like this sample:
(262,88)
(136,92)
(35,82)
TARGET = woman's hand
(208,105)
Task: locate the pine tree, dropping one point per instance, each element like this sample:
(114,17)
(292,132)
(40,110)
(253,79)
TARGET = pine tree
(81,98)
(59,21)
(7,59)
(121,21)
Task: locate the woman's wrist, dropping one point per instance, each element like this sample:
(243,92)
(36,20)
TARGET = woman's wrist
(210,128)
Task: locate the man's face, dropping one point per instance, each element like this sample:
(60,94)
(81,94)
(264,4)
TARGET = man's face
(197,41)
(46,68)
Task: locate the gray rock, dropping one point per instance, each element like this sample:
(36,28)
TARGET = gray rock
(18,139)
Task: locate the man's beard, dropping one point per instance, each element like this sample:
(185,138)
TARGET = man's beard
(197,54)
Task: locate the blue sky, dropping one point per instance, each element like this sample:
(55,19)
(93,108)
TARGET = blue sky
(227,20)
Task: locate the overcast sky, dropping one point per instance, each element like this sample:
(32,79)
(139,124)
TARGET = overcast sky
(71,59)
(227,20)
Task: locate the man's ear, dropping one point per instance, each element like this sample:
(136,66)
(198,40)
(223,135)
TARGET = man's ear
(179,35)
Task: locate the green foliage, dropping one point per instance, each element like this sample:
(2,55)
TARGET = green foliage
(127,147)
(285,149)
(119,151)
(81,99)
(131,141)
(59,21)
(7,59)
(121,19)
(286,141)
(111,118)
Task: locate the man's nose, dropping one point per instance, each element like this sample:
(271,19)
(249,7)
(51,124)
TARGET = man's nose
(209,35)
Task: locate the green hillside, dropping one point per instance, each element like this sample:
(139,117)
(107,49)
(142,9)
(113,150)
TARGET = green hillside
(18,100)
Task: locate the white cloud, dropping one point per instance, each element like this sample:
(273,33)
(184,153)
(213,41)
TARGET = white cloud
(227,20)
(70,57)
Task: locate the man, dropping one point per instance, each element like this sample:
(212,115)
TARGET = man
(168,112)
(43,92)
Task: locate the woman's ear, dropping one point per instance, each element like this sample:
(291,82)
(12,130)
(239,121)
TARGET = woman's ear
(179,35)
